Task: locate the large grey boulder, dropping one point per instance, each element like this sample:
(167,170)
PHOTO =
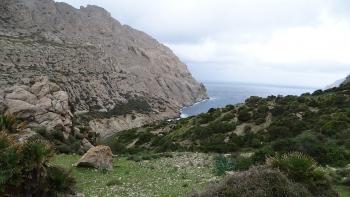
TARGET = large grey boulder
(99,157)
(43,104)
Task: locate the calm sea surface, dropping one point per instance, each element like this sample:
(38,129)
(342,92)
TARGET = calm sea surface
(222,94)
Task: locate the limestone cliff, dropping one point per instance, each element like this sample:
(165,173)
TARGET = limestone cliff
(102,64)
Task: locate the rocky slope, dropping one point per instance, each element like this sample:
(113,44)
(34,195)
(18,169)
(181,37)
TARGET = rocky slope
(338,83)
(100,63)
(347,80)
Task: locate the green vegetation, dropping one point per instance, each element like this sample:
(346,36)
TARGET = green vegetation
(293,174)
(342,191)
(222,165)
(9,123)
(302,169)
(274,146)
(257,181)
(25,170)
(316,124)
(163,176)
(59,142)
(138,105)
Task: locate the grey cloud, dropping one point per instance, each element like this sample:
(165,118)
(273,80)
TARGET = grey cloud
(185,26)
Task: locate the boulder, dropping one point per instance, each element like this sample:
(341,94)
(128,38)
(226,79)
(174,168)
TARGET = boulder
(42,104)
(86,145)
(99,157)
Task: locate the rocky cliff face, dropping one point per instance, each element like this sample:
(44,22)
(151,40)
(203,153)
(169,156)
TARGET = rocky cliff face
(101,64)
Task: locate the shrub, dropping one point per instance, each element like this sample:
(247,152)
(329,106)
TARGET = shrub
(244,115)
(242,163)
(332,127)
(63,148)
(10,167)
(227,117)
(276,132)
(58,135)
(261,154)
(303,169)
(222,164)
(278,110)
(59,180)
(297,166)
(8,123)
(257,181)
(36,154)
(25,170)
(253,101)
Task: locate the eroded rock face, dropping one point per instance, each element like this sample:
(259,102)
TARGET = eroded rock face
(99,157)
(97,61)
(43,104)
(107,127)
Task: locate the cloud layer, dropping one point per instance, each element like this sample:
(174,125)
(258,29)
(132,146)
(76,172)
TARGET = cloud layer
(294,42)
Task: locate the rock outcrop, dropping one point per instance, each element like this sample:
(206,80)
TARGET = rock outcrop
(99,157)
(43,104)
(99,62)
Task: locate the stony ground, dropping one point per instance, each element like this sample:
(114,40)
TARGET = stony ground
(176,176)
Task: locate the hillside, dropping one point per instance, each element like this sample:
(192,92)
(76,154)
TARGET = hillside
(111,72)
(316,124)
(347,80)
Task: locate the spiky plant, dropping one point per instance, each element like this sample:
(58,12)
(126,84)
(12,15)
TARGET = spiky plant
(297,166)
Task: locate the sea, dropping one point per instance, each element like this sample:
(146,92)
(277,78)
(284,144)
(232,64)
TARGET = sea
(225,93)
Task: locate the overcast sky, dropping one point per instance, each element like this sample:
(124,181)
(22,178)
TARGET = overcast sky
(287,42)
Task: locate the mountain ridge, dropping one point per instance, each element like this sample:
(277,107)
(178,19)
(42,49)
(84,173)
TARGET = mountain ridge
(100,63)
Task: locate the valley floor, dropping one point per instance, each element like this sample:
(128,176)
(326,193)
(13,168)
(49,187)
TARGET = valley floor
(166,176)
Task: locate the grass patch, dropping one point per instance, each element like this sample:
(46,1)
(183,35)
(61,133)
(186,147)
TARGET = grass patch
(164,176)
(343,191)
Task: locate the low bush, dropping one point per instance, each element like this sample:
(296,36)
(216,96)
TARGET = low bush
(10,124)
(25,170)
(303,169)
(59,142)
(222,164)
(229,116)
(257,181)
(244,115)
(297,166)
(243,163)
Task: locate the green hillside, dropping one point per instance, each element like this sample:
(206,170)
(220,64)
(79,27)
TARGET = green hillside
(316,124)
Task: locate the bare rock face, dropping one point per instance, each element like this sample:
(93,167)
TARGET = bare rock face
(102,66)
(43,104)
(99,157)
